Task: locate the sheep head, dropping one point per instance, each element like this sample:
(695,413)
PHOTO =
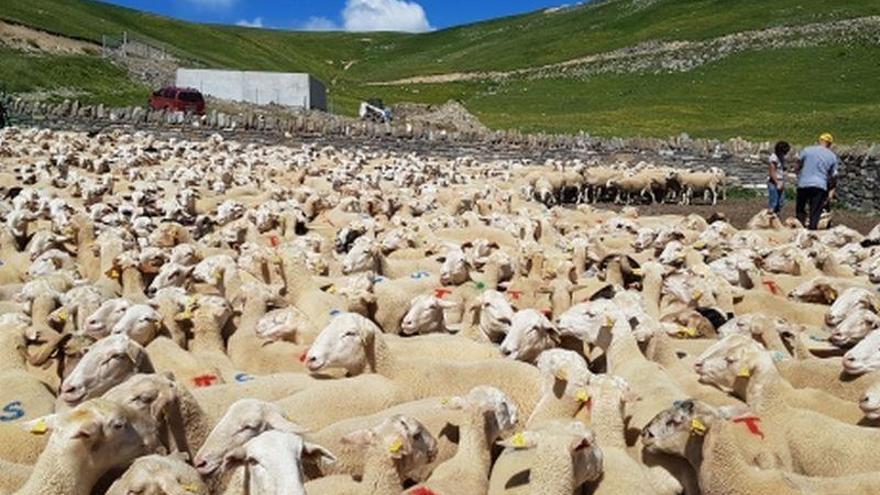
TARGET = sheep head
(109,362)
(159,475)
(343,343)
(851,300)
(729,363)
(404,439)
(864,357)
(493,405)
(672,430)
(530,334)
(558,441)
(425,315)
(243,421)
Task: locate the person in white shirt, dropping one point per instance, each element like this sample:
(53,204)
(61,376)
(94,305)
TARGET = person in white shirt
(776,177)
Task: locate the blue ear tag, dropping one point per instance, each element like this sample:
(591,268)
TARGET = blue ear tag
(677,403)
(420,275)
(335,312)
(378,279)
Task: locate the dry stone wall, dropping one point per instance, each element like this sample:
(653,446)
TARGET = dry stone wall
(743,160)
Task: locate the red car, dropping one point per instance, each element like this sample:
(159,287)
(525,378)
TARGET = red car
(178,99)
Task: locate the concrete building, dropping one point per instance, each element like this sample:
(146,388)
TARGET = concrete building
(283,88)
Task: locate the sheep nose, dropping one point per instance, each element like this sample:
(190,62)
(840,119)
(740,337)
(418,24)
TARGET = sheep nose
(698,366)
(151,291)
(646,433)
(849,359)
(506,352)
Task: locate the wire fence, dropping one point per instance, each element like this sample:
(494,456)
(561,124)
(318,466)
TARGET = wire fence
(128,45)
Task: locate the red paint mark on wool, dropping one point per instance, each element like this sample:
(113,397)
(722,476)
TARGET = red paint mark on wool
(204,380)
(302,357)
(274,241)
(515,294)
(423,490)
(441,293)
(753,423)
(772,286)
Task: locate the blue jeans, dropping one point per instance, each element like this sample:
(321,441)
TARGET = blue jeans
(776,198)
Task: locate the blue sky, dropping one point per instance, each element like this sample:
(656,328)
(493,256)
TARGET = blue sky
(353,15)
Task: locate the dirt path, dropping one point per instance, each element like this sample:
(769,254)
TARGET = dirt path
(672,55)
(739,211)
(24,38)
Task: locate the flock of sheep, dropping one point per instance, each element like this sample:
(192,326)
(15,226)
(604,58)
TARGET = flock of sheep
(183,317)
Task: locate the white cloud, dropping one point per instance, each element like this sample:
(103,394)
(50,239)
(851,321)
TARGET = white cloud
(213,4)
(385,15)
(256,23)
(320,24)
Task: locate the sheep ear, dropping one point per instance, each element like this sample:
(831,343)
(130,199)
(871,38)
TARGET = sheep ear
(279,421)
(524,440)
(315,453)
(359,437)
(452,403)
(41,425)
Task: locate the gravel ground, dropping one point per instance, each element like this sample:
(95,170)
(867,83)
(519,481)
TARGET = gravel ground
(739,211)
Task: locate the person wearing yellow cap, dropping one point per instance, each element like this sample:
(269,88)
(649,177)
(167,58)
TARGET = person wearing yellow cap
(817,178)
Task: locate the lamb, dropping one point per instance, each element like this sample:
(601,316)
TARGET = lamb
(744,367)
(488,415)
(155,474)
(109,362)
(274,460)
(87,442)
(362,349)
(566,457)
(395,447)
(183,423)
(243,421)
(706,438)
(756,369)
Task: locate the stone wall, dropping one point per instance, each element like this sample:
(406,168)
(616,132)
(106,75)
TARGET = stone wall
(743,160)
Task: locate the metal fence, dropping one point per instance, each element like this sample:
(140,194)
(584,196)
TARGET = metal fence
(135,46)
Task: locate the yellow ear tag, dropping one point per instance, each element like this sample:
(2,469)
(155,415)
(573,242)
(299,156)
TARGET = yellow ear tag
(331,289)
(40,427)
(699,245)
(444,401)
(518,440)
(697,295)
(690,332)
(744,372)
(395,446)
(114,273)
(609,321)
(560,375)
(62,316)
(192,488)
(582,395)
(638,272)
(698,427)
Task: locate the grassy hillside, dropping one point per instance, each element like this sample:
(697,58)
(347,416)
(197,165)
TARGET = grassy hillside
(757,94)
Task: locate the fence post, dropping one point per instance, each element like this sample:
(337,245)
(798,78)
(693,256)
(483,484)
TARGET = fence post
(125,43)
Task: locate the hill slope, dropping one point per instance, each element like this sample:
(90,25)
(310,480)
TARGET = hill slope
(762,89)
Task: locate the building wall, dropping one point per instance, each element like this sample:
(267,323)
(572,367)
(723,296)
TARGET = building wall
(295,90)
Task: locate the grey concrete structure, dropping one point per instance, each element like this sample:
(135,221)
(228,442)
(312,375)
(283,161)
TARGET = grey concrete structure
(283,88)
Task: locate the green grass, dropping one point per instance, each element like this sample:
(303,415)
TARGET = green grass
(88,79)
(764,94)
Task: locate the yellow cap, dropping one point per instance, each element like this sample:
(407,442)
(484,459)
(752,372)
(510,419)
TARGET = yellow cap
(827,137)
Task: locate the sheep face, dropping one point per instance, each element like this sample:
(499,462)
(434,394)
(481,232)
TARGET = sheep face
(108,362)
(171,275)
(454,269)
(644,239)
(425,315)
(404,439)
(151,394)
(363,257)
(671,430)
(102,320)
(851,300)
(275,460)
(726,361)
(816,291)
(496,315)
(530,334)
(864,357)
(243,421)
(673,254)
(158,475)
(108,434)
(342,344)
(140,322)
(489,402)
(870,402)
(184,255)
